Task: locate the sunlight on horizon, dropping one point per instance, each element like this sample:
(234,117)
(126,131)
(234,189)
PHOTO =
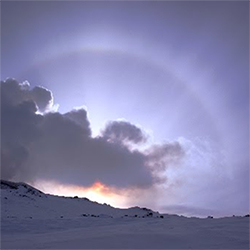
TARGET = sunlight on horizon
(98,192)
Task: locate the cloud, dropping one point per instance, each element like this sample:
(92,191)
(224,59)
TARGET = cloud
(163,155)
(79,116)
(60,147)
(120,131)
(13,93)
(19,126)
(42,97)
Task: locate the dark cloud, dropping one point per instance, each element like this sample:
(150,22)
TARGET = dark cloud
(42,97)
(79,116)
(19,127)
(120,131)
(60,147)
(163,155)
(13,93)
(13,158)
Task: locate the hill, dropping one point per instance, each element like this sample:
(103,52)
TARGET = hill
(24,201)
(34,220)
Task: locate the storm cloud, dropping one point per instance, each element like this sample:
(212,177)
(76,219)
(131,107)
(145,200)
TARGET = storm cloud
(15,93)
(54,146)
(120,131)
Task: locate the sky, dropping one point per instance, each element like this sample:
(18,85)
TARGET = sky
(117,100)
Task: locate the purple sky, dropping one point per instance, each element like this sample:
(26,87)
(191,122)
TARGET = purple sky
(179,71)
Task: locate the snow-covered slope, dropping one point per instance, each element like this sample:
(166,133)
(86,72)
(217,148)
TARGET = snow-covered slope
(31,219)
(20,200)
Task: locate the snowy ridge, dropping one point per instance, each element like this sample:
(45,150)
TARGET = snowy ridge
(24,201)
(31,219)
(21,188)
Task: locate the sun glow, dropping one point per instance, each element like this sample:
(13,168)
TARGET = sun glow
(98,192)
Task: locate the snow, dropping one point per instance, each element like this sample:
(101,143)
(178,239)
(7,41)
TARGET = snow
(34,220)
